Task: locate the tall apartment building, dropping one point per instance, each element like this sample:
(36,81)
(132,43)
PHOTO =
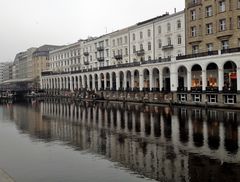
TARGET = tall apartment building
(212,25)
(40,59)
(23,64)
(3,67)
(7,72)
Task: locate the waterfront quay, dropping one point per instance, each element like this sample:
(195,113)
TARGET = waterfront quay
(125,142)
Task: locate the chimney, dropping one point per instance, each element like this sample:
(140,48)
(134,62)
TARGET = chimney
(175,10)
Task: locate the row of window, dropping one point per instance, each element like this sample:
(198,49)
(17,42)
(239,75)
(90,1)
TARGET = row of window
(209,9)
(222,24)
(209,46)
(66,55)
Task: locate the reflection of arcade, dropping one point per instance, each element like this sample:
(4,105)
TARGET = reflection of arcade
(150,140)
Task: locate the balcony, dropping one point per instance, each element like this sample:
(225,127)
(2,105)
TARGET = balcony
(229,90)
(182,89)
(202,54)
(100,48)
(86,62)
(170,46)
(140,52)
(118,57)
(231,50)
(212,89)
(100,59)
(86,53)
(196,89)
(193,4)
(168,59)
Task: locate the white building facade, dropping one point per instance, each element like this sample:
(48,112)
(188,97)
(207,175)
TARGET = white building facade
(149,56)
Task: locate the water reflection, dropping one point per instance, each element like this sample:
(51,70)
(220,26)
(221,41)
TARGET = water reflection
(158,142)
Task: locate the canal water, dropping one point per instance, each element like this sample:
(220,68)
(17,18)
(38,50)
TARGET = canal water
(105,142)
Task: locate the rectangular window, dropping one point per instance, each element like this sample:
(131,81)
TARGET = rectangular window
(222,24)
(238,4)
(230,99)
(225,44)
(193,14)
(210,47)
(212,99)
(126,51)
(209,27)
(126,39)
(197,98)
(238,23)
(209,11)
(195,49)
(193,31)
(222,6)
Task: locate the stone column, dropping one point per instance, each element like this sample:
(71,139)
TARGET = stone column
(111,81)
(160,81)
(189,80)
(220,79)
(105,81)
(204,80)
(60,83)
(132,80)
(174,80)
(141,81)
(150,80)
(117,81)
(93,83)
(99,81)
(79,86)
(238,78)
(71,84)
(125,80)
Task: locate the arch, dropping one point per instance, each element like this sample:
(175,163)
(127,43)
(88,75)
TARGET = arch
(155,79)
(121,80)
(212,76)
(62,82)
(73,82)
(108,80)
(90,82)
(85,81)
(146,80)
(166,79)
(196,71)
(129,80)
(69,83)
(230,76)
(96,81)
(182,78)
(102,77)
(114,81)
(136,77)
(80,82)
(76,83)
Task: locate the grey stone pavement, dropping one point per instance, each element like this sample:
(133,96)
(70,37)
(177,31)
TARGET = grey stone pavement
(4,177)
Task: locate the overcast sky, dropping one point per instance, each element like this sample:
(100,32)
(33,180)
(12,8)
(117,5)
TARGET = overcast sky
(32,23)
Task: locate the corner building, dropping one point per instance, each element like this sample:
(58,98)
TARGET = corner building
(212,25)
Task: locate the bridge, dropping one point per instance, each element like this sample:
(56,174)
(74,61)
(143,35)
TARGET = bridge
(16,87)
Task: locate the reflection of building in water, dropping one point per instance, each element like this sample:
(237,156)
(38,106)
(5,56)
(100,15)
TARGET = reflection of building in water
(112,131)
(135,136)
(153,141)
